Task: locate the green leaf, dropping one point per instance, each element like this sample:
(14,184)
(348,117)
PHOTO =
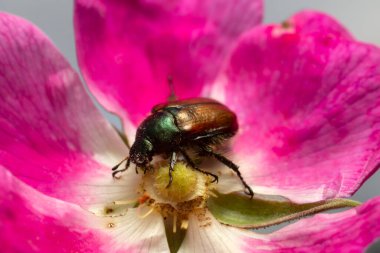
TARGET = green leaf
(175,238)
(240,211)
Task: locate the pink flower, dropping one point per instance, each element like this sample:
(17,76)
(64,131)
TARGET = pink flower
(306,94)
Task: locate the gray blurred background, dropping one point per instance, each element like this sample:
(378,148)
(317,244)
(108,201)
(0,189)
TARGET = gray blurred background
(362,18)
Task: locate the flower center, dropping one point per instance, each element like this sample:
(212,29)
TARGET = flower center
(187,184)
(184,185)
(186,194)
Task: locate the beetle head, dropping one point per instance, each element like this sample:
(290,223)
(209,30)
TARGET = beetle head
(141,152)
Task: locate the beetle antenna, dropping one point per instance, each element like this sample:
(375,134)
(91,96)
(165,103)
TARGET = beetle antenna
(172,96)
(117,165)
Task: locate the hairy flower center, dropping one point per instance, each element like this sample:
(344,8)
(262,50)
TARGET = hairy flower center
(187,184)
(183,186)
(186,194)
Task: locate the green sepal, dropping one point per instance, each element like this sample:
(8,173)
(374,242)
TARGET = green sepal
(241,211)
(123,137)
(176,238)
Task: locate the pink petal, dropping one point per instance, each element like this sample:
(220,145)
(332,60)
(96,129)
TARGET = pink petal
(349,231)
(208,235)
(311,22)
(52,136)
(127,49)
(139,233)
(308,107)
(33,222)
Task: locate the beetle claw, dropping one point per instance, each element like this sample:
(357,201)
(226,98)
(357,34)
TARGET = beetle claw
(248,191)
(170,182)
(115,173)
(170,178)
(216,178)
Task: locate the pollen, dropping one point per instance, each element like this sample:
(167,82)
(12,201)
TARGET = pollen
(186,195)
(184,224)
(187,184)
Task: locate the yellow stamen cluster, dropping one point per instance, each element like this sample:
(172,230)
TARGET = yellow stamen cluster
(187,193)
(183,184)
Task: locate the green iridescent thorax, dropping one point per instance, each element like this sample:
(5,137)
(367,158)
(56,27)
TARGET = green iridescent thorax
(161,130)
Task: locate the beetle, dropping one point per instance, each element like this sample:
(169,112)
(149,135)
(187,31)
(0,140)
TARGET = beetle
(174,127)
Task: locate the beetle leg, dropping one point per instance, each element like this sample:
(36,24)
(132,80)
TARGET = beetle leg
(232,166)
(192,164)
(148,167)
(117,166)
(137,169)
(173,160)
